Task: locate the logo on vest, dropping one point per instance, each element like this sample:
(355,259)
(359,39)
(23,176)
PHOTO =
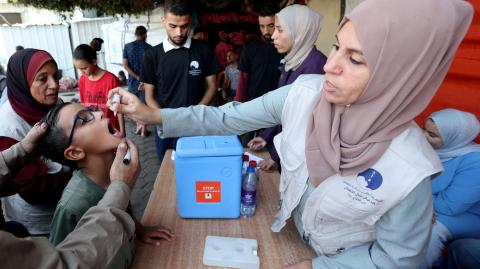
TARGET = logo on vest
(194,68)
(370,179)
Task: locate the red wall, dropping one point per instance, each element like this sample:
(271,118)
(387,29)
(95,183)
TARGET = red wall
(461,87)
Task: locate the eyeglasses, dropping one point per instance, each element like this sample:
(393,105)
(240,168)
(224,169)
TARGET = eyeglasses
(85,115)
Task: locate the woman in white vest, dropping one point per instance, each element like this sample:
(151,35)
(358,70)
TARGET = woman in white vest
(355,167)
(32,81)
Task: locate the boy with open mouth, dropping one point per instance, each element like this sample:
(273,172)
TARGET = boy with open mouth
(86,141)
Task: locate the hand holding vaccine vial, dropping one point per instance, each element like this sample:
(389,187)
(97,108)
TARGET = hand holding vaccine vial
(115,99)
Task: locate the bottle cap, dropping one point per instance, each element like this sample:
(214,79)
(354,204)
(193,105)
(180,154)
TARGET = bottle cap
(245,158)
(251,169)
(252,163)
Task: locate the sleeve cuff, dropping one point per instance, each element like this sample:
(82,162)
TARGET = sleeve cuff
(162,129)
(15,156)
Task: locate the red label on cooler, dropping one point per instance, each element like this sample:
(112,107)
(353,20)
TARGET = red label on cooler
(208,191)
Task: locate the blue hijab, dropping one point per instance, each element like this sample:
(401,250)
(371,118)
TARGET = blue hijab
(458,129)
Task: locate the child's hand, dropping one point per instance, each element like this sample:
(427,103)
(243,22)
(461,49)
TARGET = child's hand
(257,143)
(153,234)
(268,165)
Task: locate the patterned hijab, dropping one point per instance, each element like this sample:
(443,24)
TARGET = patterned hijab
(458,129)
(21,70)
(408,46)
(303,25)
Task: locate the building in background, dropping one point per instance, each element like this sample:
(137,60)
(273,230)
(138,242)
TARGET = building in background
(43,29)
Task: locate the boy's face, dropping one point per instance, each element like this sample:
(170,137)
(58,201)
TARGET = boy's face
(232,57)
(95,135)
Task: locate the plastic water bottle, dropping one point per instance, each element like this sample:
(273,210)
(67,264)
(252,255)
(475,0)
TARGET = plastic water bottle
(245,164)
(248,202)
(254,164)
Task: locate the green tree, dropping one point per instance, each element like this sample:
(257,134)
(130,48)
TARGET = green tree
(107,7)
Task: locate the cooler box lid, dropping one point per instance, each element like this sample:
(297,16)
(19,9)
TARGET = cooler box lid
(208,146)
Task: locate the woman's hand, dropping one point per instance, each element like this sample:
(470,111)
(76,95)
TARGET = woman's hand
(307,264)
(133,108)
(29,142)
(257,143)
(153,234)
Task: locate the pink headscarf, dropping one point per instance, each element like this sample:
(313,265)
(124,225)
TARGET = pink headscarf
(303,25)
(408,46)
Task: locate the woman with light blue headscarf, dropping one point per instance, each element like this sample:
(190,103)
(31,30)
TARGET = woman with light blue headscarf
(456,192)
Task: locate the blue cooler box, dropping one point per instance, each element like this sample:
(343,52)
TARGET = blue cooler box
(208,171)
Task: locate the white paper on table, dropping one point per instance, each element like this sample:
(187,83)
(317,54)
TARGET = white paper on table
(232,252)
(252,157)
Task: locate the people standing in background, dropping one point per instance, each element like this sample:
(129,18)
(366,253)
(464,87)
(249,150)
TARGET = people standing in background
(296,30)
(230,82)
(132,62)
(456,191)
(260,62)
(180,71)
(95,83)
(259,65)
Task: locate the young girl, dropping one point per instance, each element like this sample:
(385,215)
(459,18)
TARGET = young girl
(95,83)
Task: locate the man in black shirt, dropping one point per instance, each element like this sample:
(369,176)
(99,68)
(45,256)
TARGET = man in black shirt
(259,65)
(176,71)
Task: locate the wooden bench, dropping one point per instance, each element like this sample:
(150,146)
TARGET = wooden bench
(185,251)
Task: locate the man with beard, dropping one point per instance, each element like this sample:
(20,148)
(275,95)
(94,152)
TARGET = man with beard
(259,65)
(180,71)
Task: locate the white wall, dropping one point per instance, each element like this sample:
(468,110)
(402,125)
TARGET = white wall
(52,38)
(121,32)
(56,39)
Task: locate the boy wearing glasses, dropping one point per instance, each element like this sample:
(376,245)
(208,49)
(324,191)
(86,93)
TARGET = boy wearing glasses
(85,140)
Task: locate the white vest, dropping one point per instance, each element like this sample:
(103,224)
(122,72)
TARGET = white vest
(36,218)
(290,144)
(342,211)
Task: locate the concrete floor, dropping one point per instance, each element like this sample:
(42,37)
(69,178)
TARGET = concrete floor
(150,166)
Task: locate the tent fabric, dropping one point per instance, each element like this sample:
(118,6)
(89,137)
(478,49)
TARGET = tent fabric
(461,87)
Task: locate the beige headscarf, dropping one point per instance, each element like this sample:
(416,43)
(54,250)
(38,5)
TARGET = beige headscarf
(303,25)
(408,46)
